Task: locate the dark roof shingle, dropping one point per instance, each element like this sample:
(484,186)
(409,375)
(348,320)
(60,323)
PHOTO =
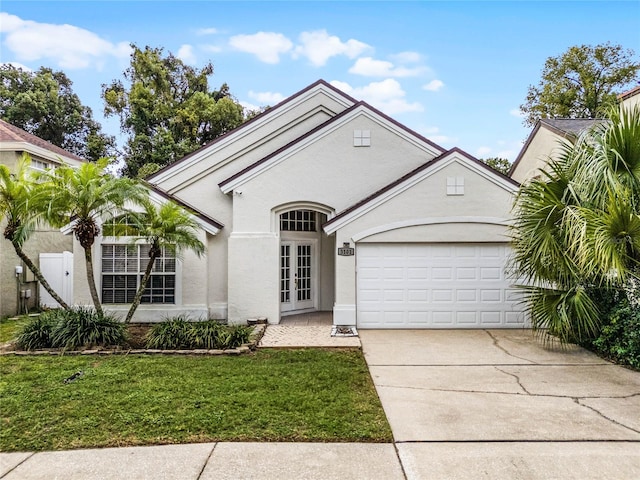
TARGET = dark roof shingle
(11,133)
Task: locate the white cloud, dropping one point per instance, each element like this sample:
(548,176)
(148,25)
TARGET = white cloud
(266,98)
(66,45)
(516,113)
(386,95)
(482,151)
(267,46)
(249,106)
(407,57)
(433,85)
(207,31)
(185,53)
(370,67)
(318,46)
(443,140)
(433,134)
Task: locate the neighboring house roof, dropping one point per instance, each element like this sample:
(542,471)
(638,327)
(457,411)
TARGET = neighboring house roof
(254,120)
(211,225)
(409,179)
(630,93)
(569,128)
(14,138)
(229,183)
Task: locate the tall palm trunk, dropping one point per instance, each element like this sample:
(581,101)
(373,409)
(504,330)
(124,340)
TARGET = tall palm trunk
(38,274)
(154,253)
(88,258)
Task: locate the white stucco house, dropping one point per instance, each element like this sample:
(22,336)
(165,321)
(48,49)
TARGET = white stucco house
(323,203)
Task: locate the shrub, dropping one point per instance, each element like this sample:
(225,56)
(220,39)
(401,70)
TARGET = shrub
(619,338)
(171,334)
(84,327)
(36,333)
(180,333)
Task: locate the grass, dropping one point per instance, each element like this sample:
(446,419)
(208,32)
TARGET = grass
(282,395)
(9,327)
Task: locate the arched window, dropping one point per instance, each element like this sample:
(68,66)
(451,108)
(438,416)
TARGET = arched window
(298,221)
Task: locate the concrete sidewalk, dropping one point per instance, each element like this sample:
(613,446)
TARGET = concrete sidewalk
(210,461)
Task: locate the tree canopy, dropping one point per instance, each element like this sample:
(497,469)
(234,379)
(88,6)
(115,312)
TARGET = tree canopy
(167,109)
(576,232)
(497,163)
(581,82)
(44,104)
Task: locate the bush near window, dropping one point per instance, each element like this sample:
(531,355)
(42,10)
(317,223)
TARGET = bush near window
(70,329)
(179,333)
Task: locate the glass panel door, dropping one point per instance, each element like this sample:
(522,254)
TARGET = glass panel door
(297,283)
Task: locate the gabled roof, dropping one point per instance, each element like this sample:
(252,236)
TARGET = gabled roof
(208,223)
(12,137)
(239,177)
(230,136)
(410,179)
(569,128)
(630,93)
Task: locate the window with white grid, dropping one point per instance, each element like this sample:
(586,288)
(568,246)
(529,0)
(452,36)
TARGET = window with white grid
(362,138)
(39,164)
(455,185)
(298,221)
(123,267)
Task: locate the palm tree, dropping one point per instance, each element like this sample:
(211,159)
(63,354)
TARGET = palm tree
(166,227)
(81,197)
(576,232)
(16,193)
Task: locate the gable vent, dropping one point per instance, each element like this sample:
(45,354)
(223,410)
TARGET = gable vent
(362,138)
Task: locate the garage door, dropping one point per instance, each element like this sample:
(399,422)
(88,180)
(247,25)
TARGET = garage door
(435,286)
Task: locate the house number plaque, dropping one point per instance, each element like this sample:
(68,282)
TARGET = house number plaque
(346,250)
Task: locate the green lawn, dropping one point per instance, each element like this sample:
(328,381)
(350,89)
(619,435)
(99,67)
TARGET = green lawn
(282,395)
(9,327)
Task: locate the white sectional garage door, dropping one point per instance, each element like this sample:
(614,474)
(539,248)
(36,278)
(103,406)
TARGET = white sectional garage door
(435,286)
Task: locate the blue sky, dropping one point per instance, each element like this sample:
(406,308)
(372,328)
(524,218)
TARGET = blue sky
(454,71)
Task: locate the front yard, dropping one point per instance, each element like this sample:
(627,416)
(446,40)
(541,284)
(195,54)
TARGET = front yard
(283,395)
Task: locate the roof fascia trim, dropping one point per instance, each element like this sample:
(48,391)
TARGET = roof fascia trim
(251,126)
(430,221)
(425,171)
(361,108)
(30,148)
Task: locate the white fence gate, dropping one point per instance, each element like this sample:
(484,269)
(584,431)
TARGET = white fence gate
(57,268)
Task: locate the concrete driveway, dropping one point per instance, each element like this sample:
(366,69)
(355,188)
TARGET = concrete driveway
(470,404)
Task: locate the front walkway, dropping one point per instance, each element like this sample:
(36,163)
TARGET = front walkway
(305,330)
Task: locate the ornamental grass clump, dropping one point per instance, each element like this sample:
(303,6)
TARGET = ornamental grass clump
(84,327)
(71,329)
(36,333)
(171,334)
(181,333)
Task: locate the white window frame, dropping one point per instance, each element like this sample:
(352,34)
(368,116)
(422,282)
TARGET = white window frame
(455,185)
(362,138)
(140,267)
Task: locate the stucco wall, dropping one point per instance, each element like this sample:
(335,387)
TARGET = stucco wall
(424,213)
(544,144)
(190,294)
(197,182)
(330,171)
(43,240)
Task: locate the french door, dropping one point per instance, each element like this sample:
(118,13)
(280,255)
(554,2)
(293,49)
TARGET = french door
(297,275)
